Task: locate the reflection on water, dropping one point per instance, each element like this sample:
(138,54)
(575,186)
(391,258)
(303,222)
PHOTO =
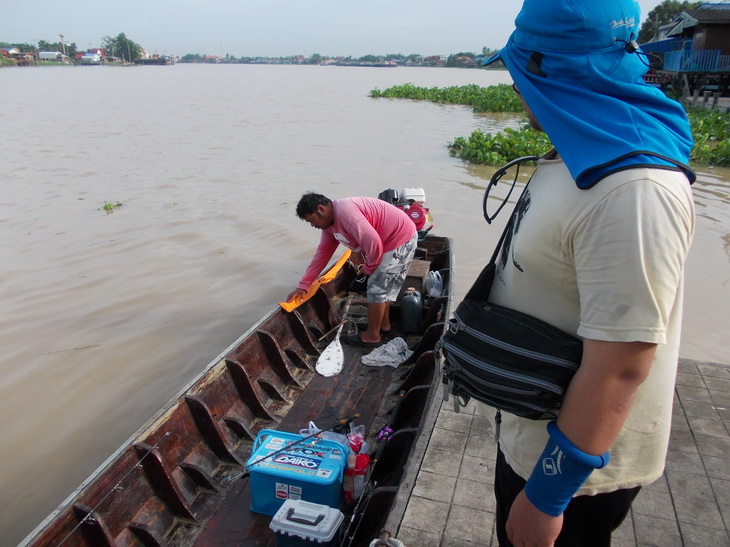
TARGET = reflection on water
(106,316)
(712,192)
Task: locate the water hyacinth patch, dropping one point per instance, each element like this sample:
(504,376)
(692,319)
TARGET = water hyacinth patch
(496,98)
(710,128)
(500,148)
(711,132)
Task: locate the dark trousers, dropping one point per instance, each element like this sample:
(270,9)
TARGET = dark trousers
(588,520)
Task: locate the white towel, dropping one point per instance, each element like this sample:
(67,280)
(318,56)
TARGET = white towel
(391,354)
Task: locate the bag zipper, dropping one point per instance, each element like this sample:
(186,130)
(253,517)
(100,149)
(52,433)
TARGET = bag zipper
(517,409)
(547,386)
(512,348)
(474,379)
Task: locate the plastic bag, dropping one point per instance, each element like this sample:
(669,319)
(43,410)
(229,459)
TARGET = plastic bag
(312,429)
(356,439)
(433,284)
(354,480)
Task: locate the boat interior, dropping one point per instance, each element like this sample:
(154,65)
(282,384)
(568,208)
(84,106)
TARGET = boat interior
(183,479)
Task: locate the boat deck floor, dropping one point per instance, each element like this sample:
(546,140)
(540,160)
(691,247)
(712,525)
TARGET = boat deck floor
(357,390)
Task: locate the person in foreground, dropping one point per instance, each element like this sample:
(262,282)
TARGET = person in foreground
(384,236)
(597,249)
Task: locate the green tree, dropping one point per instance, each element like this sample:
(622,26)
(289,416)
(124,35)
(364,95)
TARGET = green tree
(191,58)
(23,48)
(464,58)
(315,59)
(70,49)
(121,46)
(661,15)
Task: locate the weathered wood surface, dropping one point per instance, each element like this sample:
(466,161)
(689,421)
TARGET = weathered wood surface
(182,480)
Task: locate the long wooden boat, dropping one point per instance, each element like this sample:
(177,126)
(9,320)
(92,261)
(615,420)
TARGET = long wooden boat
(181,479)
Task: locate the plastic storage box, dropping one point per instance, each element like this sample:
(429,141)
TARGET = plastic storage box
(416,194)
(311,471)
(300,523)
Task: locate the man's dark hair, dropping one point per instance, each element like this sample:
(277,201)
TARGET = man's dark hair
(309,202)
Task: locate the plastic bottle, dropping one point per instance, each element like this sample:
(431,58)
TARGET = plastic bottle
(410,311)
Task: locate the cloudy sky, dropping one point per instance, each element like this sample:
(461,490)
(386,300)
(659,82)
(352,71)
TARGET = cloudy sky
(270,27)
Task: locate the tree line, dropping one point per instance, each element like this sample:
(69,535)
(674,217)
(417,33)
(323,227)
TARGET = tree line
(662,14)
(118,46)
(124,48)
(453,60)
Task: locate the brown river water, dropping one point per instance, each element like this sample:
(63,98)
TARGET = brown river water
(104,316)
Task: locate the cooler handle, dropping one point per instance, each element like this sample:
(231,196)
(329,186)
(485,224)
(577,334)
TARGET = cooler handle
(258,441)
(299,520)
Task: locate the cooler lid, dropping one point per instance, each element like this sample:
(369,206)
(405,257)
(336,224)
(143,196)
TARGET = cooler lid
(316,460)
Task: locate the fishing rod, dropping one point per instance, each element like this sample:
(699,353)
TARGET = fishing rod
(89,516)
(369,485)
(340,423)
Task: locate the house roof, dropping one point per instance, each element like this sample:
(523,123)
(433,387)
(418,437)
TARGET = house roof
(710,14)
(706,14)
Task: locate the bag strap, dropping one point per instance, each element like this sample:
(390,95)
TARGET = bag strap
(483,285)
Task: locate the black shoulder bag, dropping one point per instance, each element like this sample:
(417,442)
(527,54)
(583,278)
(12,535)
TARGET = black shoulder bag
(502,357)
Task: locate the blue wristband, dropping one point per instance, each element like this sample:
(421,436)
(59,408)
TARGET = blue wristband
(559,473)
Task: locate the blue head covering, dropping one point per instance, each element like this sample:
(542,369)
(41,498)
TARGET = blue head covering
(576,67)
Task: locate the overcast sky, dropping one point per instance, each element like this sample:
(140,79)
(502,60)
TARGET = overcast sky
(270,27)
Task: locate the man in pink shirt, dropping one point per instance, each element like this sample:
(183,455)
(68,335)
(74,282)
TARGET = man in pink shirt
(385,237)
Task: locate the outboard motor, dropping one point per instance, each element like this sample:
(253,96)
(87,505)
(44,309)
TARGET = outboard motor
(418,214)
(389,195)
(410,200)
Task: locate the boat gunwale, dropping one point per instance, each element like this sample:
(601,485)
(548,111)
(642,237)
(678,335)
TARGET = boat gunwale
(150,426)
(147,426)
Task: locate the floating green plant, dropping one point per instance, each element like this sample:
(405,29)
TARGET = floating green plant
(500,148)
(496,98)
(109,207)
(711,132)
(710,128)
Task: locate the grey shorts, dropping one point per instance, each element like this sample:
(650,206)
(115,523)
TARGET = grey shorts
(386,281)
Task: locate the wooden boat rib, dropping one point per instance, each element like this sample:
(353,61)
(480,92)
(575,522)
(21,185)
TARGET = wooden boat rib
(181,479)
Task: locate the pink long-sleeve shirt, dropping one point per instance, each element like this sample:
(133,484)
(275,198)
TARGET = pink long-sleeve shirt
(366,225)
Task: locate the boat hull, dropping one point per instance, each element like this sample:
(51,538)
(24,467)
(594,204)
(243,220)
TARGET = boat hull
(182,479)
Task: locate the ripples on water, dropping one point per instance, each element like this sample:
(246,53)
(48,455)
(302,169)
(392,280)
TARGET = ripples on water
(106,316)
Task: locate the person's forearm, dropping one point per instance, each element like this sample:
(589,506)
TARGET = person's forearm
(322,255)
(597,404)
(602,392)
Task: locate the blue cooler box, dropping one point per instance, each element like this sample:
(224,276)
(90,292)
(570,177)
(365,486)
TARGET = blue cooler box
(311,471)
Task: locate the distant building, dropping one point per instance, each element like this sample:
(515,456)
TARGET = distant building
(694,50)
(20,58)
(707,26)
(94,57)
(436,60)
(53,56)
(695,41)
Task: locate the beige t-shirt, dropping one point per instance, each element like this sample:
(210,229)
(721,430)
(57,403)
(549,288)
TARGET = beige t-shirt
(605,263)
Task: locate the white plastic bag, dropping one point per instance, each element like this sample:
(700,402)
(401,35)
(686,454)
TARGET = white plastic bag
(433,284)
(312,429)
